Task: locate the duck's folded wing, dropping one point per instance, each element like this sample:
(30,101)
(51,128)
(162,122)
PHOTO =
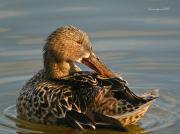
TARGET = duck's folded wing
(77,98)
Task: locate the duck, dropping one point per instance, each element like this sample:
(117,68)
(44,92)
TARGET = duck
(62,94)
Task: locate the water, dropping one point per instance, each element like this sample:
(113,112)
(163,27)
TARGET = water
(139,38)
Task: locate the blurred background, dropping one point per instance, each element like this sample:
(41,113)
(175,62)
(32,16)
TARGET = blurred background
(140,38)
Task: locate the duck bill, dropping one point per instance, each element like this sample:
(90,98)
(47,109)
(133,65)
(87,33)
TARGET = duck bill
(97,65)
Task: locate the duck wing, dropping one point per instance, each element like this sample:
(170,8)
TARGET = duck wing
(77,98)
(101,97)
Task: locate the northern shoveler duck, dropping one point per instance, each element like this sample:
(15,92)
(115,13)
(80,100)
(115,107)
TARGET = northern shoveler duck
(61,93)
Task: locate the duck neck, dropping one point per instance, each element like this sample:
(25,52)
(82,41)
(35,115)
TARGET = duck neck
(57,70)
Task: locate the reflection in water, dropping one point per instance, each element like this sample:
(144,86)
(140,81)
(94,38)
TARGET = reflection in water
(159,117)
(22,127)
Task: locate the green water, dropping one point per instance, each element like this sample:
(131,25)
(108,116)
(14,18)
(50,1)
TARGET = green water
(138,38)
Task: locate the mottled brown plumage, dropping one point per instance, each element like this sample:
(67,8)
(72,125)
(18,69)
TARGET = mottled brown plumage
(61,93)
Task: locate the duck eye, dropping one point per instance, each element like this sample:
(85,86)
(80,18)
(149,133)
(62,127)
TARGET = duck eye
(79,42)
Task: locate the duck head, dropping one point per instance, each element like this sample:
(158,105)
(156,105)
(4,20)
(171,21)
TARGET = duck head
(66,46)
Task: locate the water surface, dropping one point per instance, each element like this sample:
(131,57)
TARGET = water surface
(138,38)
